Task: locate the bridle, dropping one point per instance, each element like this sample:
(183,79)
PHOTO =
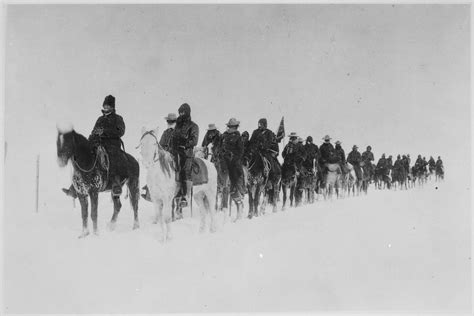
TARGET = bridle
(157,144)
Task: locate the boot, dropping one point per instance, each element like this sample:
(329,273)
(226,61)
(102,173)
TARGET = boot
(70,192)
(146,196)
(186,197)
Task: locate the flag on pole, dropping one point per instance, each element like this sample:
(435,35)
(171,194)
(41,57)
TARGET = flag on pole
(280,134)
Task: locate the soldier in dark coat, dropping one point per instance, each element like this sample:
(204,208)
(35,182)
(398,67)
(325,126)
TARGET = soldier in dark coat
(292,160)
(355,158)
(367,158)
(107,132)
(382,165)
(432,164)
(264,141)
(183,140)
(419,164)
(406,163)
(213,136)
(341,156)
(326,155)
(326,151)
(312,154)
(389,165)
(439,166)
(165,140)
(232,151)
(245,139)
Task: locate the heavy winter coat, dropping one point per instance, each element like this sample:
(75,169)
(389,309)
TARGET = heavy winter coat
(354,158)
(108,130)
(185,136)
(165,140)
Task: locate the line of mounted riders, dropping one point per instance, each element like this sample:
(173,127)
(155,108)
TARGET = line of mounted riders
(245,165)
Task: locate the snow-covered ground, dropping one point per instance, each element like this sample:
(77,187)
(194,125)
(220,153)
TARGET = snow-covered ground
(387,251)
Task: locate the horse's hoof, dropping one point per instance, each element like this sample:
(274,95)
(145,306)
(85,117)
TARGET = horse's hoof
(136,225)
(111,226)
(84,234)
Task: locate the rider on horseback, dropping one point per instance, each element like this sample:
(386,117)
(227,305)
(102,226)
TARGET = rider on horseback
(107,132)
(341,156)
(264,142)
(213,136)
(312,155)
(354,158)
(165,140)
(183,140)
(439,166)
(432,164)
(367,158)
(292,156)
(231,154)
(327,156)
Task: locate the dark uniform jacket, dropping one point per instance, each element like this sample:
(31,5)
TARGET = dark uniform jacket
(214,138)
(326,151)
(340,154)
(185,136)
(354,158)
(367,156)
(165,140)
(112,127)
(264,141)
(312,154)
(232,146)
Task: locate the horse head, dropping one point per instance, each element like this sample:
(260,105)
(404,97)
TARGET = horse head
(64,144)
(148,146)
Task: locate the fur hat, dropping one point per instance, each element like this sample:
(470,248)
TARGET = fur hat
(309,139)
(185,108)
(109,100)
(263,121)
(338,142)
(355,147)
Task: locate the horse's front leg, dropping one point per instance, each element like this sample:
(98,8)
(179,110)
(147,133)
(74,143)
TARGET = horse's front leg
(84,213)
(94,195)
(117,206)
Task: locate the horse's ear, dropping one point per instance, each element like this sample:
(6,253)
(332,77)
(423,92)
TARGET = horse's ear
(143,130)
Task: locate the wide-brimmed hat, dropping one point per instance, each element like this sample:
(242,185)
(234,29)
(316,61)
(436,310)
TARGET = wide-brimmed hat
(326,138)
(212,127)
(171,117)
(338,142)
(300,139)
(233,122)
(293,134)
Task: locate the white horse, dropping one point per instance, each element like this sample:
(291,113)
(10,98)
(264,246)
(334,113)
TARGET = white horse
(161,181)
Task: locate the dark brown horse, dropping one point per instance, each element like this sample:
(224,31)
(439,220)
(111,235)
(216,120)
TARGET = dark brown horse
(91,176)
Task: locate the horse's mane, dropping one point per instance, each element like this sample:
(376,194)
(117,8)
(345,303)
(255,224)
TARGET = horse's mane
(82,144)
(166,161)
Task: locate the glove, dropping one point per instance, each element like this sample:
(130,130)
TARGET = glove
(98,131)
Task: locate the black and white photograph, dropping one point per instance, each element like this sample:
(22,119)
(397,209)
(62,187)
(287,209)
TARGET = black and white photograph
(163,158)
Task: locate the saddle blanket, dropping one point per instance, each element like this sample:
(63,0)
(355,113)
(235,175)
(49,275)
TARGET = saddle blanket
(199,174)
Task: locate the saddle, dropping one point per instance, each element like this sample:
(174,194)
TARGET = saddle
(199,174)
(334,167)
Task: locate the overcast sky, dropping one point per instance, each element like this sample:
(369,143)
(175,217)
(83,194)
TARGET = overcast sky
(396,77)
